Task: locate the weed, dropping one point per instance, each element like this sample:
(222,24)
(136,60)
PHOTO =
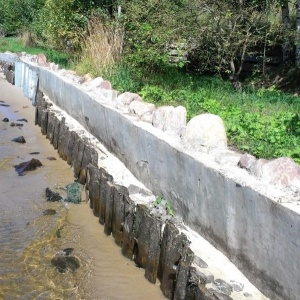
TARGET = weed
(169,209)
(160,201)
(57,233)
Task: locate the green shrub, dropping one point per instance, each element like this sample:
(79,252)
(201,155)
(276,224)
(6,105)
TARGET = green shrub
(265,122)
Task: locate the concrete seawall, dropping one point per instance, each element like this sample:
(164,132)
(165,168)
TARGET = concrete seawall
(254,224)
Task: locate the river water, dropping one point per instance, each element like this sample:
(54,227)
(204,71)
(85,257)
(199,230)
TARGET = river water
(29,239)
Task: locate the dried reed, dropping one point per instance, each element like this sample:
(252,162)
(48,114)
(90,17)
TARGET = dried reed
(103,46)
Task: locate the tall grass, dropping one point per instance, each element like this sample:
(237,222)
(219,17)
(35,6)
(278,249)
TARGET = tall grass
(102,47)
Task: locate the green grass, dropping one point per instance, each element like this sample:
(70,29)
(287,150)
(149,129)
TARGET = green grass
(264,122)
(15,45)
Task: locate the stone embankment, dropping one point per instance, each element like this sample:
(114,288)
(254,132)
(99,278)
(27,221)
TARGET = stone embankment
(126,151)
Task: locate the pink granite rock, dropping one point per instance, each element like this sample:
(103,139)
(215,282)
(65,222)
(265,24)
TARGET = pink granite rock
(105,84)
(127,97)
(41,59)
(282,171)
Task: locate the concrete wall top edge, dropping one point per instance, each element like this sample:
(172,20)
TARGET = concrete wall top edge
(9,57)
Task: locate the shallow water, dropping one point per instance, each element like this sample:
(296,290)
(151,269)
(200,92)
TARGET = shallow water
(29,240)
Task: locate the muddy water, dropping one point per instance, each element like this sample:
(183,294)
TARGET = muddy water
(29,240)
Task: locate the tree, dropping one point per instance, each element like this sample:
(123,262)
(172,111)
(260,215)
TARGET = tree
(286,47)
(298,34)
(15,15)
(60,24)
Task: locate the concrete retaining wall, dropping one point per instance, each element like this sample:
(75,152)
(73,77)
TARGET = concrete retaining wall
(238,214)
(145,232)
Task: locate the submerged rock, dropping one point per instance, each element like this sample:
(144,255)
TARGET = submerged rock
(49,212)
(52,196)
(51,158)
(22,120)
(74,192)
(13,124)
(222,286)
(64,263)
(19,139)
(27,166)
(68,251)
(237,286)
(200,262)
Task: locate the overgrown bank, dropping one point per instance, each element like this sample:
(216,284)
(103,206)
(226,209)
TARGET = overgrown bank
(264,122)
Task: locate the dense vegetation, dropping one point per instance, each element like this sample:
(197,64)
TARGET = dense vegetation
(164,50)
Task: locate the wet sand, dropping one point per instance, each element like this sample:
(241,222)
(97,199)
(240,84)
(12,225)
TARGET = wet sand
(104,272)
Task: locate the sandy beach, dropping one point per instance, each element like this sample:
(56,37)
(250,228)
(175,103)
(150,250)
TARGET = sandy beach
(28,241)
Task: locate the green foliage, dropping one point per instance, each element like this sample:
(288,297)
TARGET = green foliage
(61,24)
(123,79)
(150,28)
(216,34)
(160,201)
(58,233)
(16,45)
(263,122)
(15,15)
(169,209)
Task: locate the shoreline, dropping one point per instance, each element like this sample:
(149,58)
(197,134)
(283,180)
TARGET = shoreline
(106,267)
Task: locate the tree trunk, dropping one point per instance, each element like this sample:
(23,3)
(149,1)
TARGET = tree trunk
(297,54)
(286,47)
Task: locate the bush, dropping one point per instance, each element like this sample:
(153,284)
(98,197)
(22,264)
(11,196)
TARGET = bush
(60,24)
(15,15)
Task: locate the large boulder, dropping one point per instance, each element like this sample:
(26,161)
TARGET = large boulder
(283,172)
(205,132)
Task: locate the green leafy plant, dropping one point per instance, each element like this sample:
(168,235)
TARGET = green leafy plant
(169,209)
(158,201)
